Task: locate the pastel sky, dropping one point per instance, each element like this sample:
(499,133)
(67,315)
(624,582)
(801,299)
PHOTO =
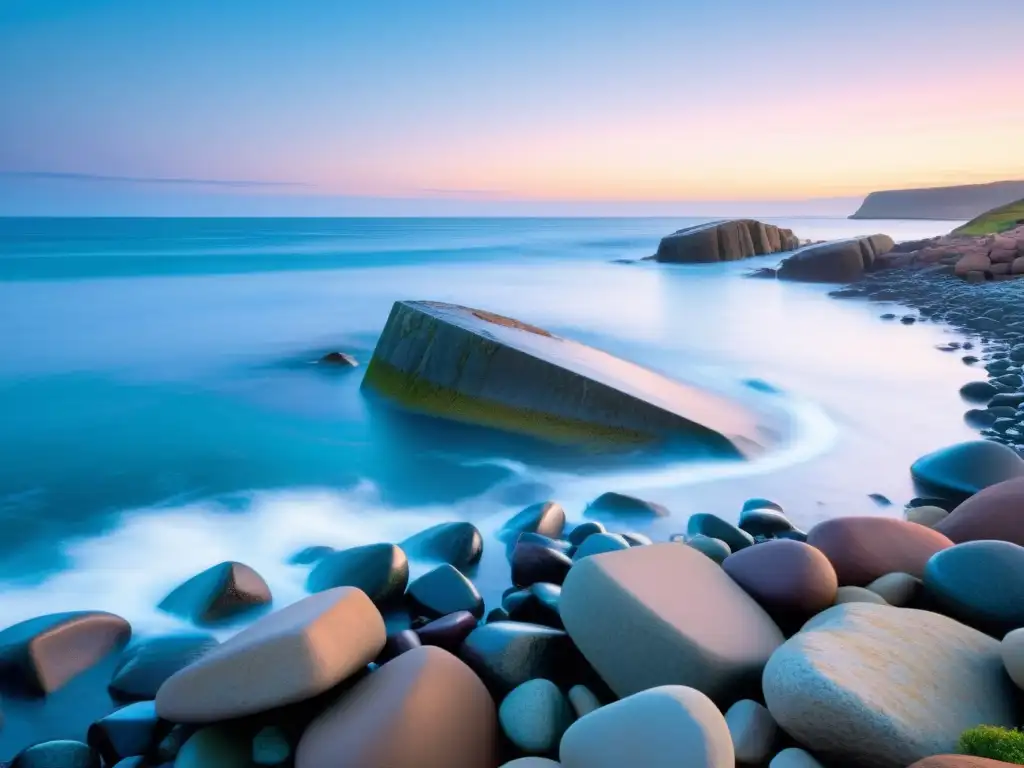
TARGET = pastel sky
(481,100)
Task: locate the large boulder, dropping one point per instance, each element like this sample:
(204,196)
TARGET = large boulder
(996,512)
(861,549)
(477,367)
(287,656)
(881,687)
(838,261)
(664,727)
(728,240)
(666,614)
(423,709)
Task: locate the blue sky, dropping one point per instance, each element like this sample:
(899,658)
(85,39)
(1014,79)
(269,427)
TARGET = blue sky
(137,106)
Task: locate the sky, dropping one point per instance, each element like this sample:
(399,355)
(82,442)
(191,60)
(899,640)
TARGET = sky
(423,106)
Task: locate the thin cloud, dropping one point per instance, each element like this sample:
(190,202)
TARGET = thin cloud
(486,193)
(233,183)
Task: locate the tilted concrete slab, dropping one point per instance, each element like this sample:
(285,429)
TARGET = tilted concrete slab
(480,368)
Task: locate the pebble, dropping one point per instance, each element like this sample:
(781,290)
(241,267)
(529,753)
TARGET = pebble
(458,544)
(532,563)
(613,503)
(764,522)
(425,708)
(1011,649)
(126,732)
(717,528)
(664,727)
(215,746)
(599,543)
(145,665)
(994,513)
(858,595)
(537,604)
(977,392)
(899,589)
(759,503)
(962,470)
(218,594)
(753,731)
(57,754)
(583,700)
(678,606)
(546,518)
(716,549)
(270,746)
(794,757)
(581,532)
(301,651)
(379,570)
(41,655)
(398,643)
(442,591)
(789,579)
(534,715)
(980,583)
(506,654)
(449,631)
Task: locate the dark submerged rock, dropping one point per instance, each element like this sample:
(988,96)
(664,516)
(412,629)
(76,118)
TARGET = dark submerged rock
(380,570)
(977,392)
(580,533)
(218,594)
(613,503)
(757,503)
(506,654)
(537,604)
(442,591)
(546,518)
(146,664)
(310,555)
(397,644)
(532,563)
(57,754)
(458,544)
(716,528)
(130,731)
(449,632)
(40,655)
(764,522)
(338,360)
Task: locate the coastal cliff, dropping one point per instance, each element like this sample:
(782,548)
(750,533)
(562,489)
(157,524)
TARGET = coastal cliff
(941,203)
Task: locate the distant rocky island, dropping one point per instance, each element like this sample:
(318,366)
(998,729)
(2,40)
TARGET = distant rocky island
(942,203)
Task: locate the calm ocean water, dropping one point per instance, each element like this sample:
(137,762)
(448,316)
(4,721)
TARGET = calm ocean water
(159,412)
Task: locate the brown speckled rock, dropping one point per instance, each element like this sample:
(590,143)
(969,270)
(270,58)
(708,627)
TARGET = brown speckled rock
(785,577)
(880,687)
(997,512)
(863,548)
(425,709)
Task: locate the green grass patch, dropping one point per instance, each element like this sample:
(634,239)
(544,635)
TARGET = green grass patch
(995,221)
(994,743)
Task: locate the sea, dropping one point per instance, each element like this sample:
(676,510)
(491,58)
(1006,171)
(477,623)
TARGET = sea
(161,409)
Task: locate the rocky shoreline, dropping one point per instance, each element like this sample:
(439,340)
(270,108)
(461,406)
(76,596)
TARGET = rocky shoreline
(864,641)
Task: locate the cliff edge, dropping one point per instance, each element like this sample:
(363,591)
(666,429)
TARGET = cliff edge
(942,203)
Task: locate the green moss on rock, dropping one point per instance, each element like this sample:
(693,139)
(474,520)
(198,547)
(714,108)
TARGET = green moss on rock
(417,394)
(993,742)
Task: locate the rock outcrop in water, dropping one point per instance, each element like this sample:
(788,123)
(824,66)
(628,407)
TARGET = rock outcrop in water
(729,240)
(480,368)
(835,261)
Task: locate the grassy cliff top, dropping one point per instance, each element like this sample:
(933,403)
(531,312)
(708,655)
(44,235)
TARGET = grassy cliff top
(995,221)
